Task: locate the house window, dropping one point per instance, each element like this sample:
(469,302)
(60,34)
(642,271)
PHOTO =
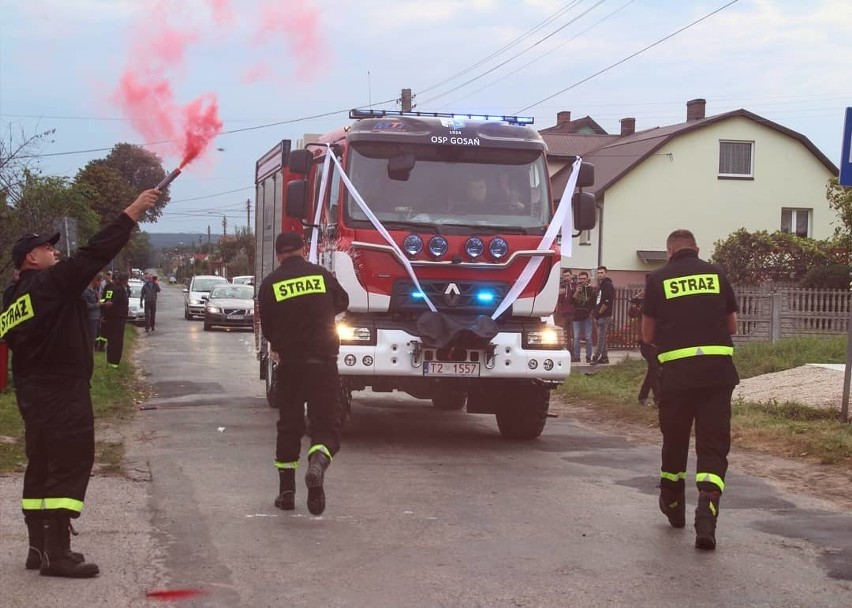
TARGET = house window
(796,221)
(736,159)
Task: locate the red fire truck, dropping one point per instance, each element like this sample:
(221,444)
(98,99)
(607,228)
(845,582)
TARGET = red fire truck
(430,222)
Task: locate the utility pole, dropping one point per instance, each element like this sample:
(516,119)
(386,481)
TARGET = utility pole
(224,225)
(208,237)
(248,213)
(406,100)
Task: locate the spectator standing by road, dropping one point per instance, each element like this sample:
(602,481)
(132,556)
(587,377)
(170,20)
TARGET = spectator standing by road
(298,302)
(45,322)
(564,315)
(690,314)
(651,382)
(602,313)
(93,307)
(116,305)
(582,298)
(148,301)
(100,339)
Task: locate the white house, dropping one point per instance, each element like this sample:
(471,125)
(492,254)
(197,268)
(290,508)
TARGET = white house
(712,175)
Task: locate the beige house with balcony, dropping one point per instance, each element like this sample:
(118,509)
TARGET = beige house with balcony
(712,175)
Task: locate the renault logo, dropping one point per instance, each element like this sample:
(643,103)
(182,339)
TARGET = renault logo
(452,294)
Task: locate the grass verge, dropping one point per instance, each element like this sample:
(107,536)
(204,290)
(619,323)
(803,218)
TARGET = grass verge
(114,392)
(785,429)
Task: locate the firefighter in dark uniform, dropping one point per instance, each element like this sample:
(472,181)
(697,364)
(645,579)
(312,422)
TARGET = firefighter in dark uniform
(298,302)
(690,314)
(45,322)
(116,305)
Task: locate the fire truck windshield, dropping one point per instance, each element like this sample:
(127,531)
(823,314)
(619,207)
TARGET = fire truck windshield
(499,188)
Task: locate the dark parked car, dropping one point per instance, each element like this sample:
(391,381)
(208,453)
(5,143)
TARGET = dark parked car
(230,306)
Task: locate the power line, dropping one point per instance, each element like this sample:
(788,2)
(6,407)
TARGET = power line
(516,55)
(506,46)
(542,56)
(639,52)
(228,132)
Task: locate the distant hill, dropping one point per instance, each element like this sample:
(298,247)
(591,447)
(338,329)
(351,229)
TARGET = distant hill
(170,240)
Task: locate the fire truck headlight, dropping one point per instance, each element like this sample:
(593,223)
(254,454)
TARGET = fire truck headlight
(438,246)
(498,248)
(474,247)
(549,337)
(412,244)
(355,334)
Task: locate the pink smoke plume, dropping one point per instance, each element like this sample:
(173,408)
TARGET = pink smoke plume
(145,93)
(297,24)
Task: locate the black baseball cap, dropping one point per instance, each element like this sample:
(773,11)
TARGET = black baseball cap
(288,242)
(27,243)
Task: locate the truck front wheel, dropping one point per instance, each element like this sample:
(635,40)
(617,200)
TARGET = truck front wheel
(448,400)
(522,412)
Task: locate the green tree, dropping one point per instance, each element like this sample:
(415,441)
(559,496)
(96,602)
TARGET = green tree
(840,199)
(238,252)
(42,203)
(18,155)
(111,183)
(780,257)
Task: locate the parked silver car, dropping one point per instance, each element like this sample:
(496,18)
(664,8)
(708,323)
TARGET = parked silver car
(230,306)
(135,308)
(198,292)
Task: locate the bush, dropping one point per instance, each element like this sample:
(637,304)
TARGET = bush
(834,276)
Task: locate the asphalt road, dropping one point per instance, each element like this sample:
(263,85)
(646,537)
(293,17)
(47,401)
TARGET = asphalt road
(425,508)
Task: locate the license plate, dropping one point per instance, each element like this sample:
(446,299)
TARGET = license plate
(236,317)
(450,368)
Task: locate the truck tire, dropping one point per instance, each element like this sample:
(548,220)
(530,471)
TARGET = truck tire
(523,412)
(448,400)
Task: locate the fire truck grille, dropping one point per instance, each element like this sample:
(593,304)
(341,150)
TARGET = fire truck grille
(479,297)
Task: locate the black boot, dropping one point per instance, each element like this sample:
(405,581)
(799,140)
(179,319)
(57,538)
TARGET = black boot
(286,499)
(35,530)
(706,514)
(35,527)
(57,560)
(317,464)
(673,506)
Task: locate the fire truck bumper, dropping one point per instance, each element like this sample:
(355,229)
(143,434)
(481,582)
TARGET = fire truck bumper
(400,354)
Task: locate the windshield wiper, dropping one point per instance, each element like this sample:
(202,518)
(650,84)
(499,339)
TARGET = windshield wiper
(489,229)
(405,224)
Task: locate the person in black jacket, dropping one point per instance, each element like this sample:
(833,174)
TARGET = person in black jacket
(298,302)
(602,313)
(116,308)
(690,314)
(45,323)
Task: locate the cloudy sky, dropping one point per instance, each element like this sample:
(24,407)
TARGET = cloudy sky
(270,65)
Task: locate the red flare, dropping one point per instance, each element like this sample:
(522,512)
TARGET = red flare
(172,595)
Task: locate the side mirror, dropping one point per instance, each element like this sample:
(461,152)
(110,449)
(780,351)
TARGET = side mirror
(586,179)
(300,161)
(400,166)
(185,290)
(583,206)
(297,195)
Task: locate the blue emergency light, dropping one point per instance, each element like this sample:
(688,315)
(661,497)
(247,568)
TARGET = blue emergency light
(514,120)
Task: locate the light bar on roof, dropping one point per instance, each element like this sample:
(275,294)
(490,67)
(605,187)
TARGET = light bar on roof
(515,120)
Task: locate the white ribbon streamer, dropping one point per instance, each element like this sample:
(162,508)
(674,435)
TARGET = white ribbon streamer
(313,255)
(378,226)
(563,221)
